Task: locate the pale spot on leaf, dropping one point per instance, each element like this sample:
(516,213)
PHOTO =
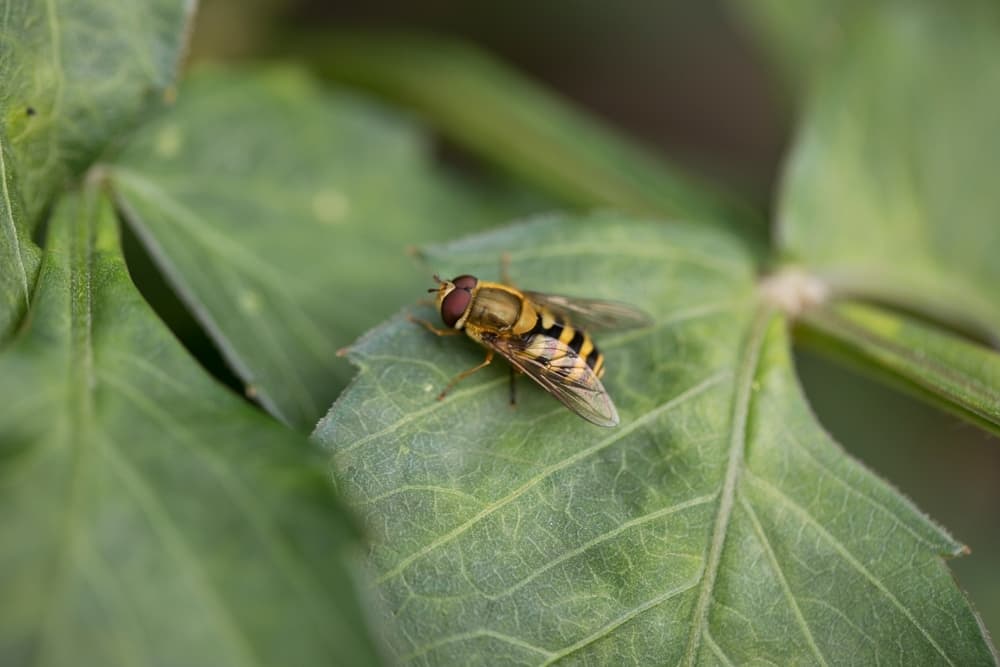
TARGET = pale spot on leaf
(168,142)
(330,206)
(249,301)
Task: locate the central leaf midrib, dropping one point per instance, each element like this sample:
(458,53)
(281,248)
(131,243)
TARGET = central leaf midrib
(79,422)
(741,407)
(85,437)
(81,308)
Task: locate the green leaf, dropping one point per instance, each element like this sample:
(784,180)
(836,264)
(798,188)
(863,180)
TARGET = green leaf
(717,524)
(890,191)
(18,253)
(960,376)
(76,74)
(286,229)
(504,118)
(886,194)
(148,516)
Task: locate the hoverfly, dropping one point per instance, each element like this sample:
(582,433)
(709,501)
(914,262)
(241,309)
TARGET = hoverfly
(541,335)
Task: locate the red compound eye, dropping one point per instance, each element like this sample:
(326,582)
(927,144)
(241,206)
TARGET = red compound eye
(465,282)
(454,305)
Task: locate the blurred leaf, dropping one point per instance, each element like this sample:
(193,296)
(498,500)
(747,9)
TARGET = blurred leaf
(228,30)
(504,118)
(147,516)
(75,74)
(718,523)
(801,36)
(283,213)
(891,188)
(960,376)
(18,254)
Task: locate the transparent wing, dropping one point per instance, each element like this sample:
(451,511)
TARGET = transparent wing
(591,314)
(561,372)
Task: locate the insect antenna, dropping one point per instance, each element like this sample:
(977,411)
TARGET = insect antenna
(438,281)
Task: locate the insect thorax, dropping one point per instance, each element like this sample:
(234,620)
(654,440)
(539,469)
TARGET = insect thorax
(497,309)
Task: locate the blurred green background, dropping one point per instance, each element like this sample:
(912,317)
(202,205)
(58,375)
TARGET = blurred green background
(687,79)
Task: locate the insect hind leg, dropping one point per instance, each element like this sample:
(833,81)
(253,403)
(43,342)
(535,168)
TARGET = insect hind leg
(513,387)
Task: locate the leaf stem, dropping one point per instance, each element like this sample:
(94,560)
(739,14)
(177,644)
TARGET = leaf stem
(930,363)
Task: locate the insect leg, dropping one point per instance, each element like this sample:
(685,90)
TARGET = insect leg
(513,386)
(464,374)
(433,329)
(505,269)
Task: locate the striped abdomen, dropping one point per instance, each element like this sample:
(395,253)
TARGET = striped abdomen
(579,341)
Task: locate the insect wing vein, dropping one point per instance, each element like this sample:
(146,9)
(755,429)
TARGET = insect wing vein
(591,314)
(560,371)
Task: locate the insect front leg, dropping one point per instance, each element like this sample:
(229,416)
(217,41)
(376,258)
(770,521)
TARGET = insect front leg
(464,374)
(433,329)
(505,269)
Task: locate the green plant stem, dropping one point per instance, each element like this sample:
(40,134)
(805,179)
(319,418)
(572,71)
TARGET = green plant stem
(935,365)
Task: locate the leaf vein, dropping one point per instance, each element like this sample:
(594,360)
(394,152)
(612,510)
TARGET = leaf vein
(846,619)
(124,626)
(319,344)
(874,504)
(717,650)
(786,589)
(428,488)
(611,343)
(849,558)
(234,489)
(604,537)
(162,524)
(13,229)
(623,619)
(475,634)
(552,469)
(415,415)
(741,408)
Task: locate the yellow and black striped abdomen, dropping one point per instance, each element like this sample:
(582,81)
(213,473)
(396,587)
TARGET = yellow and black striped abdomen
(579,341)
